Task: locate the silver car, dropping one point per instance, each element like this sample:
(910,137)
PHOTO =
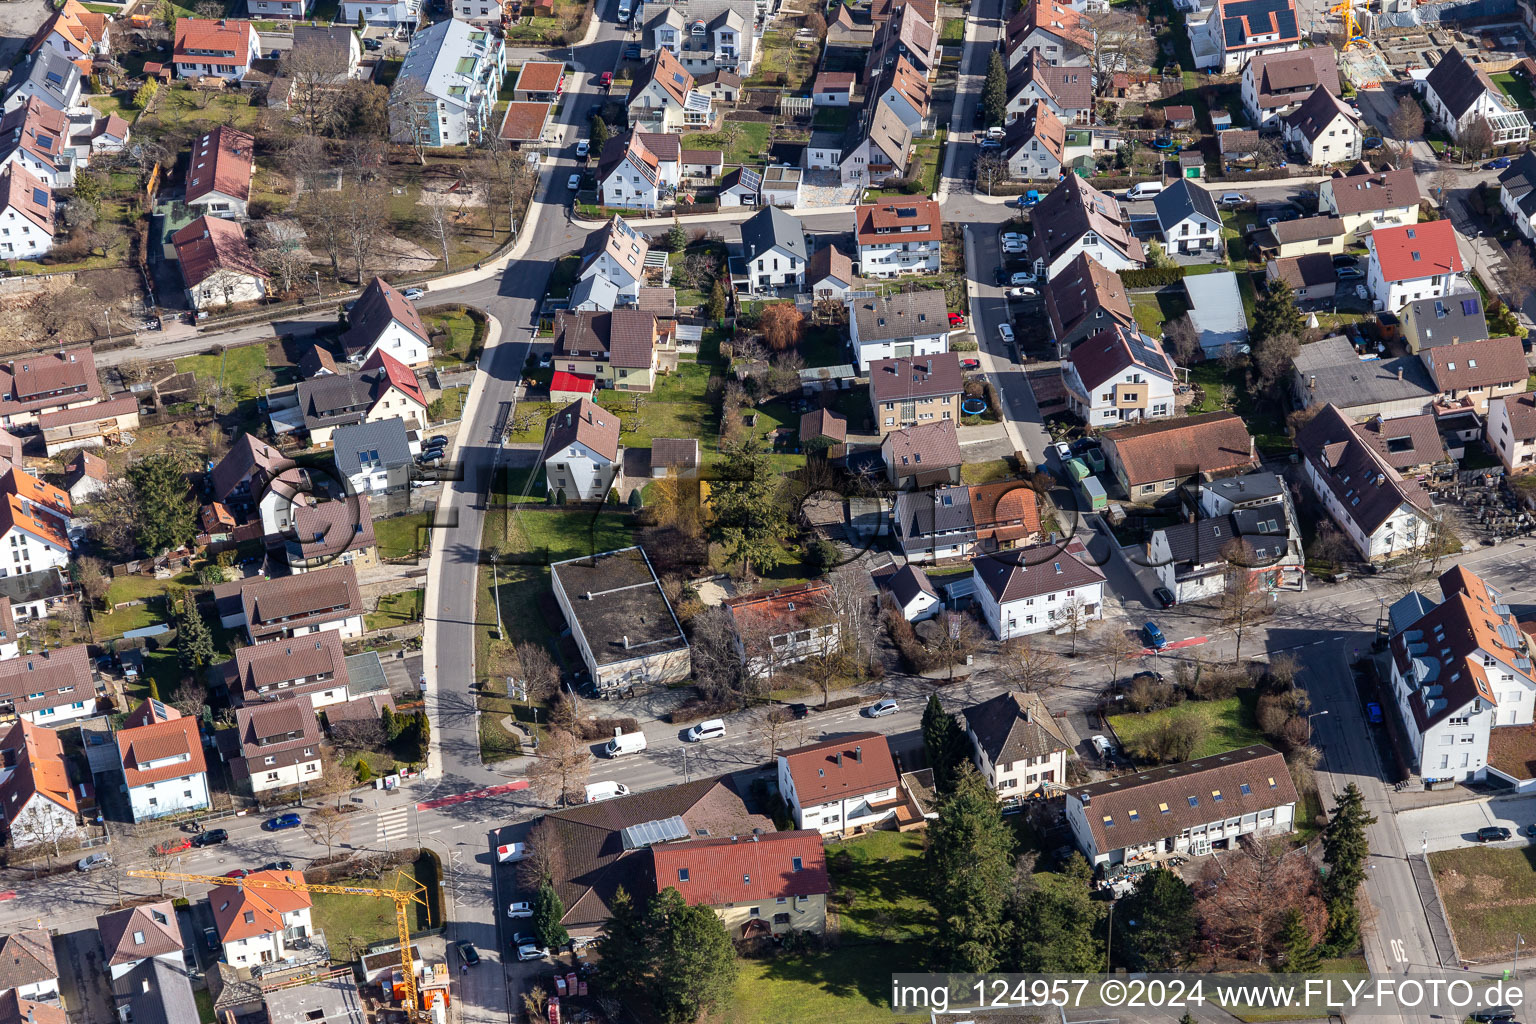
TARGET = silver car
(881,708)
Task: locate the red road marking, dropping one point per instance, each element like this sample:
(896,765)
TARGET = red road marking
(9,894)
(474,794)
(1194,641)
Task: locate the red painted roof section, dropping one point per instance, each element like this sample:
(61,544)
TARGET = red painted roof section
(563,381)
(1417,250)
(398,373)
(211,244)
(714,872)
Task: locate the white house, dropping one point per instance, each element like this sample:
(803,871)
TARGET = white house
(1059,33)
(129,937)
(373,457)
(50,78)
(1459,93)
(912,591)
(842,785)
(639,170)
(877,151)
(26,215)
(1323,130)
(219,172)
(1119,376)
(829,275)
(1187,218)
(35,137)
(617,254)
(161,754)
(1194,560)
(1362,202)
(708,36)
(384,320)
(292,606)
(773,251)
(1016,745)
(1512,431)
(75,32)
(582,455)
(1460,669)
(218,266)
(1039,147)
(381,12)
(446,91)
(783,627)
(833,89)
(1039,588)
(664,99)
(216,48)
(259,925)
(279,744)
(906,91)
(1274,84)
(1226,35)
(1067,91)
(35,532)
(1517,193)
(1382,514)
(1184,808)
(1418,261)
(1077,218)
(36,798)
(898,236)
(899,325)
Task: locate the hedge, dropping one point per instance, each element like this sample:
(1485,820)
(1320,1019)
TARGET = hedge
(429,874)
(1152,277)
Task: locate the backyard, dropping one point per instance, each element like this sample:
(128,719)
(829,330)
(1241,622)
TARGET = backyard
(678,407)
(239,373)
(1489,896)
(742,142)
(351,923)
(400,609)
(1222,724)
(1263,420)
(402,536)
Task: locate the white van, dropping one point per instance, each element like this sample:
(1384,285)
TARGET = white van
(710,730)
(625,743)
(605,791)
(1101,746)
(1146,190)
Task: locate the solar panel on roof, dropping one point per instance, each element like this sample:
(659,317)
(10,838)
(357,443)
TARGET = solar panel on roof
(649,833)
(40,197)
(1469,307)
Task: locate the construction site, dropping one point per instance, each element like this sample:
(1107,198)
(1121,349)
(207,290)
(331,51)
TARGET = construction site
(1398,40)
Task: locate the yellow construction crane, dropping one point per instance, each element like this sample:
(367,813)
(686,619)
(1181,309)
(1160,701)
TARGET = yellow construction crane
(1353,31)
(402,899)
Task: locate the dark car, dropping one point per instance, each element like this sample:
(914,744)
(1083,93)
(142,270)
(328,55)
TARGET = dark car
(211,940)
(1493,834)
(279,865)
(799,710)
(1164,597)
(212,837)
(1492,1013)
(1344,259)
(372,44)
(1497,164)
(595,110)
(437,440)
(632,51)
(468,953)
(282,821)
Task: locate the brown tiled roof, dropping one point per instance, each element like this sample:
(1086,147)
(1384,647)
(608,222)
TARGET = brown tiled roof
(834,81)
(1210,443)
(380,305)
(16,1010)
(332,528)
(26,957)
(1474,364)
(1052,17)
(317,657)
(211,244)
(20,190)
(1235,141)
(716,872)
(1404,441)
(1069,87)
(46,673)
(1367,193)
(1279,77)
(586,422)
(524,121)
(139,932)
(1367,487)
(222,161)
(317,358)
(36,128)
(923,447)
(248,459)
(667,72)
(894,221)
(823,423)
(1037,124)
(625,338)
(1035,571)
(124,405)
(1006,511)
(38,755)
(1306,229)
(675,452)
(241,912)
(1083,290)
(658,300)
(829,261)
(1014,726)
(780,611)
(1316,113)
(1306,271)
(915,378)
(841,768)
(257,722)
(540,76)
(1521,410)
(1071,210)
(1143,808)
(1106,353)
(321,595)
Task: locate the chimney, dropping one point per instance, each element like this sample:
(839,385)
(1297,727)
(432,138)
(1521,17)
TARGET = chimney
(626,643)
(858,753)
(1399,373)
(1312,383)
(1087,799)
(838,757)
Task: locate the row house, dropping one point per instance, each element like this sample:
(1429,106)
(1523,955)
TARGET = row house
(1365,200)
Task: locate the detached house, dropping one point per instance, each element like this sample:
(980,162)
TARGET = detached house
(631,175)
(1077,218)
(31,969)
(445,93)
(219,173)
(877,149)
(391,13)
(1517,193)
(707,36)
(1187,218)
(1035,145)
(1512,431)
(1228,34)
(1117,376)
(898,326)
(1151,460)
(1406,264)
(1274,84)
(217,264)
(49,78)
(617,254)
(759,885)
(382,389)
(74,32)
(36,799)
(259,925)
(26,214)
(1366,200)
(1016,745)
(773,251)
(130,937)
(1194,560)
(279,744)
(384,320)
(1323,130)
(161,754)
(898,236)
(783,627)
(1084,299)
(620,350)
(1067,91)
(35,137)
(582,455)
(922,455)
(664,98)
(1459,93)
(373,457)
(298,606)
(214,47)
(1058,33)
(1038,589)
(841,786)
(915,389)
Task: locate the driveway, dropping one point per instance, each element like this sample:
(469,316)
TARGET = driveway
(1451,826)
(22,20)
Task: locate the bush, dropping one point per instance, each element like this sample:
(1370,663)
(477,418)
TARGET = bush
(429,873)
(592,729)
(1152,277)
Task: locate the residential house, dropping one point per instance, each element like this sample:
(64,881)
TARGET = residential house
(1077,218)
(33,595)
(37,803)
(664,98)
(908,33)
(1118,376)
(1306,235)
(829,275)
(1066,91)
(524,125)
(1228,34)
(242,476)
(1475,372)
(1367,200)
(31,969)
(840,786)
(74,32)
(219,173)
(161,755)
(1460,669)
(48,77)
(267,9)
(87,475)
(34,527)
(1016,745)
(935,523)
(898,236)
(1152,460)
(1216,312)
(1406,264)
(388,13)
(325,51)
(1311,278)
(313,667)
(382,390)
(1035,145)
(26,215)
(922,455)
(631,175)
(876,149)
(616,253)
(621,620)
(374,457)
(1459,93)
(583,459)
(1382,514)
(592,295)
(48,382)
(783,627)
(1412,445)
(1037,589)
(621,350)
(90,426)
(759,885)
(445,93)
(539,81)
(896,326)
(915,389)
(157,988)
(1453,320)
(773,251)
(260,925)
(1196,560)
(1323,129)
(218,266)
(317,361)
(905,91)
(384,320)
(1237,145)
(911,591)
(722,87)
(332,533)
(1274,84)
(1058,33)
(1179,117)
(297,606)
(833,89)
(1517,193)
(1184,808)
(707,36)
(1258,490)
(209,47)
(1512,431)
(1085,298)
(130,937)
(1187,218)
(109,134)
(35,137)
(1006,514)
(1331,372)
(279,745)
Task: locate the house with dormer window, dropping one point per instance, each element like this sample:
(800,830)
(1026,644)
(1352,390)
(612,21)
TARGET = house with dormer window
(312,666)
(1412,262)
(220,48)
(1016,745)
(1228,34)
(1037,589)
(1119,376)
(30,971)
(707,35)
(616,253)
(36,798)
(1077,218)
(35,137)
(841,786)
(1066,91)
(278,744)
(758,885)
(258,925)
(664,99)
(898,236)
(74,31)
(583,459)
(26,214)
(446,91)
(48,77)
(906,324)
(297,606)
(161,755)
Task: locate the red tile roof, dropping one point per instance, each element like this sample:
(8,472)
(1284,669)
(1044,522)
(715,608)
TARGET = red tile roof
(126,405)
(21,190)
(397,373)
(39,129)
(781,611)
(540,76)
(39,771)
(1471,364)
(222,162)
(218,36)
(1006,511)
(211,244)
(380,305)
(845,767)
(742,869)
(29,488)
(164,733)
(81,27)
(266,907)
(50,379)
(1417,250)
(898,221)
(1208,444)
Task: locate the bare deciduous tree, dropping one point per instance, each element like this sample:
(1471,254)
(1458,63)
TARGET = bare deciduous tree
(1122,41)
(1028,666)
(329,827)
(1116,648)
(1243,599)
(559,772)
(772,730)
(1182,339)
(280,251)
(536,670)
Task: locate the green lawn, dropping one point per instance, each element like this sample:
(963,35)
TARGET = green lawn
(354,922)
(396,610)
(200,996)
(402,536)
(1516,88)
(234,370)
(883,872)
(1153,309)
(953,30)
(1266,425)
(676,408)
(986,472)
(461,334)
(1489,896)
(517,588)
(557,534)
(1226,724)
(743,142)
(192,110)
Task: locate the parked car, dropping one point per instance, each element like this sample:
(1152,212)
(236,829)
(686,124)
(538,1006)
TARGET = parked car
(1344,259)
(1005,331)
(1350,273)
(991,143)
(520,909)
(574,183)
(1153,636)
(1164,597)
(1015,238)
(881,708)
(211,940)
(92,861)
(1493,1013)
(437,441)
(956,320)
(1231,199)
(212,837)
(372,44)
(529,951)
(279,865)
(1497,164)
(799,710)
(713,729)
(1021,277)
(237,873)
(414,293)
(468,954)
(514,852)
(583,147)
(605,80)
(546,360)
(1022,292)
(282,821)
(970,364)
(1493,834)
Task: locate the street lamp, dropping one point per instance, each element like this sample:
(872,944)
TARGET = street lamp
(1315,714)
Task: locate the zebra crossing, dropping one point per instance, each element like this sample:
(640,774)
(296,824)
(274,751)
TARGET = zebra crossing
(394,824)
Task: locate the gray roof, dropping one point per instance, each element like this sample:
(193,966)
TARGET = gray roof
(1316,113)
(1458,83)
(42,585)
(335,998)
(1408,609)
(1014,727)
(434,56)
(1333,373)
(1200,544)
(158,992)
(1448,321)
(909,581)
(54,75)
(742,15)
(1307,229)
(943,510)
(903,315)
(365,674)
(1519,180)
(385,442)
(1182,200)
(619,606)
(1216,310)
(1248,487)
(597,290)
(771,227)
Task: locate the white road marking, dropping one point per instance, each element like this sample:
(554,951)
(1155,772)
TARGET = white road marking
(394,824)
(1399,951)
